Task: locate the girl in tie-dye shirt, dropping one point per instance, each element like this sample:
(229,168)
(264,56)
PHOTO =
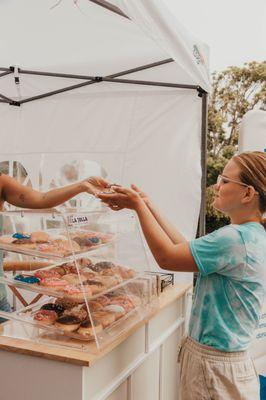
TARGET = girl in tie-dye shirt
(230,289)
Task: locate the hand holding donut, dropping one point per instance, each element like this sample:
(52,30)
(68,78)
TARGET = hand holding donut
(122,198)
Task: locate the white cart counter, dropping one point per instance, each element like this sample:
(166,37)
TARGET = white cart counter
(141,365)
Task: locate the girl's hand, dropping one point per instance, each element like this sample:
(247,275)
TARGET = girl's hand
(95,185)
(122,198)
(143,195)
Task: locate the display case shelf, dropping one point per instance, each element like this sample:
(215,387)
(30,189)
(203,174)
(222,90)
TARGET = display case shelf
(86,299)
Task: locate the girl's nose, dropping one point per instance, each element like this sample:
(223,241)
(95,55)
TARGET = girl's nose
(216,187)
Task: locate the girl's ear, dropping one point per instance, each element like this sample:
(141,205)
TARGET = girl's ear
(250,193)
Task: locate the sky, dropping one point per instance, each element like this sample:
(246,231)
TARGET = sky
(235,30)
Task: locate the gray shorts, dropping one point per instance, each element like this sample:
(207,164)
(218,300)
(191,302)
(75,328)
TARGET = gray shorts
(209,374)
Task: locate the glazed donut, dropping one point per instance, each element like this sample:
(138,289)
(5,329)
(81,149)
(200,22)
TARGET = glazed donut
(105,318)
(118,310)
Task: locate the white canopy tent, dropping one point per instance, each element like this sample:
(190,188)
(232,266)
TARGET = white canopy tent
(119,83)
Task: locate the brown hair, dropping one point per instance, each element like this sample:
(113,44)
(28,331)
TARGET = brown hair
(253,173)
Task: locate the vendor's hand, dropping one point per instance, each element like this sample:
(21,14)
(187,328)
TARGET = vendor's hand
(121,198)
(96,184)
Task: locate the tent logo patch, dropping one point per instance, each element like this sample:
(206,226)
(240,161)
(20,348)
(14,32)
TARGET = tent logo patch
(197,55)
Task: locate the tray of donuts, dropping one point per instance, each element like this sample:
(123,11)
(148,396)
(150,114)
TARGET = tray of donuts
(74,280)
(73,319)
(55,243)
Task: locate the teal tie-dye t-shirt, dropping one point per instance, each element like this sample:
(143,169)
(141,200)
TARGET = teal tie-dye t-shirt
(230,288)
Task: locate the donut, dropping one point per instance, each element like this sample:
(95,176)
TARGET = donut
(105,318)
(46,248)
(89,274)
(124,301)
(126,273)
(74,278)
(86,328)
(6,239)
(54,307)
(107,237)
(110,281)
(39,237)
(45,317)
(65,303)
(68,323)
(76,293)
(85,262)
(69,268)
(65,247)
(59,270)
(78,312)
(95,286)
(55,283)
(94,305)
(102,265)
(27,279)
(46,273)
(103,300)
(118,310)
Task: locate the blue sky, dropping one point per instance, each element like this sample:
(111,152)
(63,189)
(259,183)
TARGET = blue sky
(235,30)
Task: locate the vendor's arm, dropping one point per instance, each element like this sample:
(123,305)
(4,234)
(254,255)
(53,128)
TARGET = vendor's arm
(170,256)
(25,197)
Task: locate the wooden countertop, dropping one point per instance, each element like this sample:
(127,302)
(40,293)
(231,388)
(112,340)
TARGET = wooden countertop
(71,353)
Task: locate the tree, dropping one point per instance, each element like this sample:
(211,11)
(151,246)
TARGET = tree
(235,91)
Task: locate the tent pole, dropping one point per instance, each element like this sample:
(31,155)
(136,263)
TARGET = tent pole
(151,83)
(110,7)
(204,128)
(5,98)
(73,76)
(98,79)
(5,73)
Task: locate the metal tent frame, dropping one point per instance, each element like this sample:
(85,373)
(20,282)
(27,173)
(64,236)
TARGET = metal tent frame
(116,78)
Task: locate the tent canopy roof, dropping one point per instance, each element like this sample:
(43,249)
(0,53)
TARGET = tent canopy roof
(90,39)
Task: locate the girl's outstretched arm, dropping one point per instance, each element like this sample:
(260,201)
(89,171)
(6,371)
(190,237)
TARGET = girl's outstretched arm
(164,223)
(170,256)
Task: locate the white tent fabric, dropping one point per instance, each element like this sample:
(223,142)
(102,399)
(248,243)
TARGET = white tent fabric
(143,134)
(160,25)
(252,135)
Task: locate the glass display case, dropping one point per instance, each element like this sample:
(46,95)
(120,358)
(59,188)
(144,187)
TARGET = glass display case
(88,271)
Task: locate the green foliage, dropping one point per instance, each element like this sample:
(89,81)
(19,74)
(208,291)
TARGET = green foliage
(235,91)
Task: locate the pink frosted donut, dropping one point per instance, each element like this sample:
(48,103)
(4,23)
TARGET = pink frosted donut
(75,292)
(55,283)
(42,274)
